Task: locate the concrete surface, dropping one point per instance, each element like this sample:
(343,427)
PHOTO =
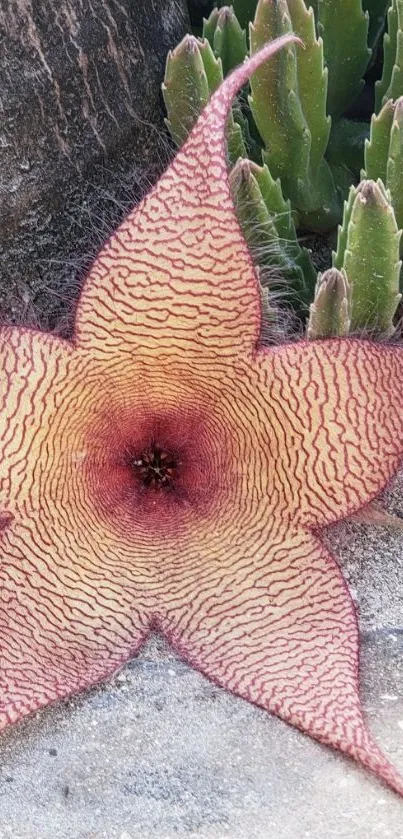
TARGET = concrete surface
(160,753)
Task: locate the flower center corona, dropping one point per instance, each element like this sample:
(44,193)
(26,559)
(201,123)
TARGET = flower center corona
(156,468)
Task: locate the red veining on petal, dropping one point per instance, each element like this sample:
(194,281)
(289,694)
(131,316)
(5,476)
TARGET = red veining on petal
(263,447)
(177,273)
(337,419)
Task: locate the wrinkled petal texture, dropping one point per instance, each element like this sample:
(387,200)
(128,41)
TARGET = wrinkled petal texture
(280,631)
(179,261)
(336,412)
(224,566)
(216,543)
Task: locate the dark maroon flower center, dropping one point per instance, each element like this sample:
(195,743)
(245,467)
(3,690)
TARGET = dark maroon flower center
(159,471)
(156,468)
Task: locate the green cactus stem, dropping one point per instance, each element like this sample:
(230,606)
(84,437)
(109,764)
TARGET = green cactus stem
(274,101)
(377,12)
(258,224)
(185,88)
(212,65)
(226,37)
(376,151)
(227,41)
(192,73)
(390,86)
(244,10)
(346,145)
(285,221)
(209,26)
(343,26)
(330,312)
(288,103)
(394,169)
(277,205)
(235,131)
(384,153)
(368,251)
(268,226)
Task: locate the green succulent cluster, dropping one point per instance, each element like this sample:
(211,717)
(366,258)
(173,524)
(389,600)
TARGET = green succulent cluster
(301,161)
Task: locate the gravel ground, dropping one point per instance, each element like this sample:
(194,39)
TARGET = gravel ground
(160,753)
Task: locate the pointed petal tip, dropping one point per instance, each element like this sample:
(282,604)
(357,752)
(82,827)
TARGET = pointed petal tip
(361,748)
(372,758)
(221,100)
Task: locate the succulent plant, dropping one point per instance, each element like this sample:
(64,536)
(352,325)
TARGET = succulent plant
(390,86)
(268,226)
(291,120)
(226,37)
(330,313)
(368,253)
(384,153)
(345,48)
(316,158)
(193,73)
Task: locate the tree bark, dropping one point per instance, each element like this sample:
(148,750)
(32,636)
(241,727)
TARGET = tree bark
(81,137)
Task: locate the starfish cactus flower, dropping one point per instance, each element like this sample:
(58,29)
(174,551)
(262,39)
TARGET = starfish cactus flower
(165,471)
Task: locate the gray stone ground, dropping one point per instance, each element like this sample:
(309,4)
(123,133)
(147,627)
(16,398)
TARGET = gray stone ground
(160,753)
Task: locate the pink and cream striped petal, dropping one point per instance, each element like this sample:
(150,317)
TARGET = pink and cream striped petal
(279,629)
(163,470)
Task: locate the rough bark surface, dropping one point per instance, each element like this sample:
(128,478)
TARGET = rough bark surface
(81,137)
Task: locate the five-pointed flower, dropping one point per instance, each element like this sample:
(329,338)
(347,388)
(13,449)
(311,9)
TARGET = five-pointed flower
(164,471)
